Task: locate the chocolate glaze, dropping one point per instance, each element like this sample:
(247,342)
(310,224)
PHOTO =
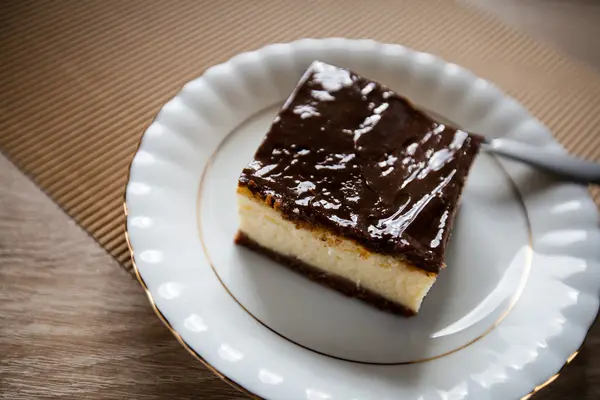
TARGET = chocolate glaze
(347,154)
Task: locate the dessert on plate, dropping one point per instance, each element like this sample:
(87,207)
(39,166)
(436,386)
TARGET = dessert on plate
(356,189)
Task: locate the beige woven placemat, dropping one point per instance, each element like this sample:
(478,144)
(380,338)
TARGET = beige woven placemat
(80,80)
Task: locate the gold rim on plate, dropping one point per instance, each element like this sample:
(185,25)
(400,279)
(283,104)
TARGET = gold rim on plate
(513,301)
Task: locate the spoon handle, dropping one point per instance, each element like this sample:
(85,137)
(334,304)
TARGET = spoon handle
(564,165)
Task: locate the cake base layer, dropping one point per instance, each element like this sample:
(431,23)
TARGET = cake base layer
(332,257)
(335,282)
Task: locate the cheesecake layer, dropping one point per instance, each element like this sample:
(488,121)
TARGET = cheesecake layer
(385,281)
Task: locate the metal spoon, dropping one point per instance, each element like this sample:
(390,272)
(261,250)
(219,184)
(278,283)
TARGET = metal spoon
(563,165)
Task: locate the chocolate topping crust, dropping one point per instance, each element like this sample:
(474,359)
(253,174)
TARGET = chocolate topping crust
(349,155)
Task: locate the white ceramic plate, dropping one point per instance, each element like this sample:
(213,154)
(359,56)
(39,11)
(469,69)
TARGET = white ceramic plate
(515,303)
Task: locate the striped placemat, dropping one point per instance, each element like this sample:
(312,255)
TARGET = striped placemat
(80,80)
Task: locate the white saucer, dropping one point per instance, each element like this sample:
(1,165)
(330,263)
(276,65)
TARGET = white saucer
(518,296)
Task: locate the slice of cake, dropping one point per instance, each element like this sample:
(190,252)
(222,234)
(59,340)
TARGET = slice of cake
(356,189)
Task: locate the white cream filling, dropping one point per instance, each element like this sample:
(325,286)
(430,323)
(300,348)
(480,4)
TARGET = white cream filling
(385,275)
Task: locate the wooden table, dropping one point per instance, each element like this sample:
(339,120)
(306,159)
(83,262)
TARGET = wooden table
(74,324)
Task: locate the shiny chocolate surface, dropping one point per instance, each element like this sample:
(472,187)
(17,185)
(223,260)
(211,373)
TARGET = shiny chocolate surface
(349,155)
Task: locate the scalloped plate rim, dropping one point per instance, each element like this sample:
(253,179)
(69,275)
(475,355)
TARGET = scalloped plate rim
(549,142)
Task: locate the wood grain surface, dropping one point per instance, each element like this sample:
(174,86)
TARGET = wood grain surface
(75,325)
